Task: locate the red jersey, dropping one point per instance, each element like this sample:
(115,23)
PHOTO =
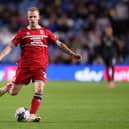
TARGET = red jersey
(34,47)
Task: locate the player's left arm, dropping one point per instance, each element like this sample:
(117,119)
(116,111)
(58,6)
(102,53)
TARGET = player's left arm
(67,50)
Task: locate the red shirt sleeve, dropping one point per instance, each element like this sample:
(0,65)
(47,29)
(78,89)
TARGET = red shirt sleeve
(51,36)
(17,39)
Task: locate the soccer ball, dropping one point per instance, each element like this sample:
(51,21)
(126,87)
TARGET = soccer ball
(22,114)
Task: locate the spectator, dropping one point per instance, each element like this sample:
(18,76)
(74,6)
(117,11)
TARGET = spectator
(123,51)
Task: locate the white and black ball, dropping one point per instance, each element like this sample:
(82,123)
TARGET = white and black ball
(22,114)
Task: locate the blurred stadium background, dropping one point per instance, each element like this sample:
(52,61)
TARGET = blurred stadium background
(78,23)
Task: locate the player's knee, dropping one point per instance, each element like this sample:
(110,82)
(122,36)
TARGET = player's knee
(39,90)
(13,93)
(39,87)
(14,90)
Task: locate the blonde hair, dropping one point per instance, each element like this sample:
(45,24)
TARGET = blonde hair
(32,9)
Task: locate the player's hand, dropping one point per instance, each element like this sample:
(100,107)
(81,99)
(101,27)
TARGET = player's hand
(77,57)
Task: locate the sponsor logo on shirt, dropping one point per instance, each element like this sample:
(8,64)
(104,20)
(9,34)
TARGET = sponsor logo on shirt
(36,40)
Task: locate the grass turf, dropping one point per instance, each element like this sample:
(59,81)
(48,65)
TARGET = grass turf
(71,105)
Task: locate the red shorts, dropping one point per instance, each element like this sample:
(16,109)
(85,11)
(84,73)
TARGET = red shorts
(24,76)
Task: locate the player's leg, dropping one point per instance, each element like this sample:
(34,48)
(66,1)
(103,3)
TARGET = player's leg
(39,86)
(10,88)
(21,77)
(112,67)
(39,79)
(108,69)
(5,88)
(106,61)
(14,89)
(111,74)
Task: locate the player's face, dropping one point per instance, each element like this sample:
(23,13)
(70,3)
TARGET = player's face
(33,18)
(108,31)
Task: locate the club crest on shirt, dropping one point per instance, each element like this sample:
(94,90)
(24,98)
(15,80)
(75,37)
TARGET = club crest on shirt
(41,32)
(28,33)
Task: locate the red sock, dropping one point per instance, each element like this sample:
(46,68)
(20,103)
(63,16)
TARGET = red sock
(35,103)
(8,87)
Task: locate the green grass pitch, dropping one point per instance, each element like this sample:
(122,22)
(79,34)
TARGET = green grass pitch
(71,105)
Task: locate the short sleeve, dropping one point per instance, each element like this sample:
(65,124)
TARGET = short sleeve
(51,36)
(17,39)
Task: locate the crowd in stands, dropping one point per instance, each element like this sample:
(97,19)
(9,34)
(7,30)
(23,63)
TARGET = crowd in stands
(80,24)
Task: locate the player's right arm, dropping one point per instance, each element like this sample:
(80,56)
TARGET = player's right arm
(6,51)
(15,41)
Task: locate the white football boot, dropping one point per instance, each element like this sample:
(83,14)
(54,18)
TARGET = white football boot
(33,118)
